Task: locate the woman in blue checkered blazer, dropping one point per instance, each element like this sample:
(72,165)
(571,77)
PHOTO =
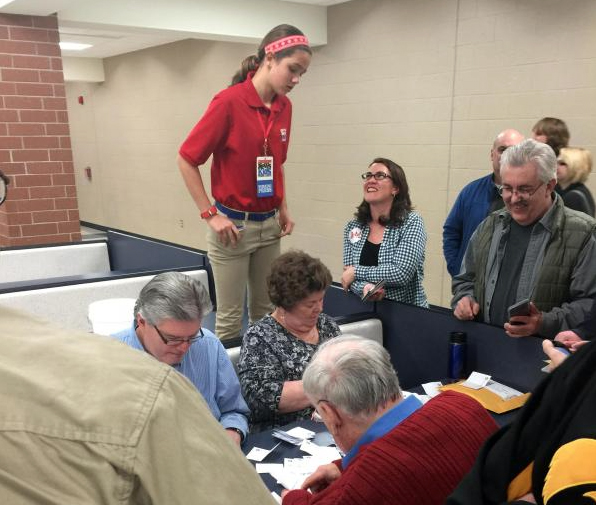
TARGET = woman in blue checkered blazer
(386,240)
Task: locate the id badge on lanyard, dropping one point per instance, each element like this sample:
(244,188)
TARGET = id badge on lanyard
(264,165)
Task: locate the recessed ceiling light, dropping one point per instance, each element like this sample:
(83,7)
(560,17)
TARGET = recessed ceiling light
(74,46)
(5,2)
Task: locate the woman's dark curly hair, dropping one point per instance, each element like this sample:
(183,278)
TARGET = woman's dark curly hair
(401,206)
(294,276)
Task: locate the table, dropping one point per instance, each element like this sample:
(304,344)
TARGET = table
(283,450)
(287,450)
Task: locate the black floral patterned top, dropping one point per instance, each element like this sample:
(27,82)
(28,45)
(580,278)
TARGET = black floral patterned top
(271,355)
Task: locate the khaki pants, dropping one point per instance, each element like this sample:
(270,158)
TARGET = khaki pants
(249,263)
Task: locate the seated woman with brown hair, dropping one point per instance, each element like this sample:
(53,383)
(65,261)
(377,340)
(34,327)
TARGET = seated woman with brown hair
(276,349)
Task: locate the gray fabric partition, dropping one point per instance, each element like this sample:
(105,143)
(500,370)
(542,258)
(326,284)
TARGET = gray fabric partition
(418,339)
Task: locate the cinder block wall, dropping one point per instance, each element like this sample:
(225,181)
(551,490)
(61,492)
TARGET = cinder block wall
(35,147)
(428,83)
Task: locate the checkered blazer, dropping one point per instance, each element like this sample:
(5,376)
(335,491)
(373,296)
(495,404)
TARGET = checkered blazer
(401,259)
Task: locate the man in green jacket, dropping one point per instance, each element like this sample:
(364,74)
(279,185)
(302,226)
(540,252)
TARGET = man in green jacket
(534,249)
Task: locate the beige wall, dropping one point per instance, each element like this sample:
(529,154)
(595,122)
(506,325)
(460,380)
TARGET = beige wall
(427,83)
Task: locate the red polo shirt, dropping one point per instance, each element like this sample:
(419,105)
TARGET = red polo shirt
(231,130)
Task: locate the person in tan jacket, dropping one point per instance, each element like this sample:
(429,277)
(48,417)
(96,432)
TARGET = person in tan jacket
(86,419)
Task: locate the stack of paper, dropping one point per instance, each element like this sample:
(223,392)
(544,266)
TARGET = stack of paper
(291,473)
(492,395)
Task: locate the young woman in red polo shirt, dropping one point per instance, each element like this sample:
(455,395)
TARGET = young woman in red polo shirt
(247,130)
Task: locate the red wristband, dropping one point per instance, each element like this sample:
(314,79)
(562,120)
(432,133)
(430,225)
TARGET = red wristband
(211,211)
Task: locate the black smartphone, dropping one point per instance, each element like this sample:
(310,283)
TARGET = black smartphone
(521,308)
(561,347)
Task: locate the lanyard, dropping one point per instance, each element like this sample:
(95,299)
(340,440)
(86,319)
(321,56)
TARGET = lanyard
(265,130)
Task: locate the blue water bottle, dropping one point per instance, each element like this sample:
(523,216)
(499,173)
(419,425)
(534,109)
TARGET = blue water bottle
(457,355)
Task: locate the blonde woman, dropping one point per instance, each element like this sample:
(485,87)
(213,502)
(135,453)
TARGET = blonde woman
(574,164)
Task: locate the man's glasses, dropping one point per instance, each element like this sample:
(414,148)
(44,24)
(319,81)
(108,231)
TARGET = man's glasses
(377,176)
(4,182)
(176,340)
(524,192)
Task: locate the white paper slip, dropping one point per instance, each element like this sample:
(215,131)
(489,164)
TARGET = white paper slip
(259,454)
(306,464)
(476,380)
(432,388)
(323,455)
(324,439)
(269,467)
(421,398)
(291,481)
(302,433)
(505,392)
(276,497)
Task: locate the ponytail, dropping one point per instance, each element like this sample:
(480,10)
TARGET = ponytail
(249,64)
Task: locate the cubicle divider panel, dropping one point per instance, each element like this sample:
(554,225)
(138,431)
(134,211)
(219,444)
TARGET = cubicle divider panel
(339,303)
(418,341)
(30,263)
(136,253)
(516,362)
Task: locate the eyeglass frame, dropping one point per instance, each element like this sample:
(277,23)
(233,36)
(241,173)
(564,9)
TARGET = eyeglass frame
(177,341)
(377,176)
(4,182)
(524,195)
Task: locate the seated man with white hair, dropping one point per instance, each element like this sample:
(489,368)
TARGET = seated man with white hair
(397,451)
(167,325)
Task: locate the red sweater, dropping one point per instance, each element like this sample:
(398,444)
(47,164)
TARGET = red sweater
(419,462)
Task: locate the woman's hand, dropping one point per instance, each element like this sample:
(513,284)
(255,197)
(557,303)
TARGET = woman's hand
(379,295)
(348,276)
(226,230)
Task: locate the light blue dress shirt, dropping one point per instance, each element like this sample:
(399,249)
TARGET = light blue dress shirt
(383,425)
(208,367)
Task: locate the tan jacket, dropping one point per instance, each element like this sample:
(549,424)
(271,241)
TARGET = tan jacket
(87,420)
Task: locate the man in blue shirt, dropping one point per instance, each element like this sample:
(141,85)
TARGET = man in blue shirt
(167,325)
(478,199)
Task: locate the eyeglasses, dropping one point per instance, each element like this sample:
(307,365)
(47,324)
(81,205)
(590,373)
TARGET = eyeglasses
(378,176)
(524,192)
(502,149)
(176,340)
(4,182)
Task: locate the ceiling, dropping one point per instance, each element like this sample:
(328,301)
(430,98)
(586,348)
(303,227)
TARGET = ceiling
(115,27)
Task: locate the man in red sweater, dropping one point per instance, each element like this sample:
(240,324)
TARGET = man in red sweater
(396,450)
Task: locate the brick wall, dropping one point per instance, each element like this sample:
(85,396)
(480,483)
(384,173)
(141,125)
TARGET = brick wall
(35,148)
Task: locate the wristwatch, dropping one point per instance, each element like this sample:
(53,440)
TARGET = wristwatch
(239,431)
(211,211)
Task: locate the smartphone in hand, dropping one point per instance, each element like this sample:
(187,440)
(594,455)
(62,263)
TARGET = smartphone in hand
(561,347)
(378,286)
(521,308)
